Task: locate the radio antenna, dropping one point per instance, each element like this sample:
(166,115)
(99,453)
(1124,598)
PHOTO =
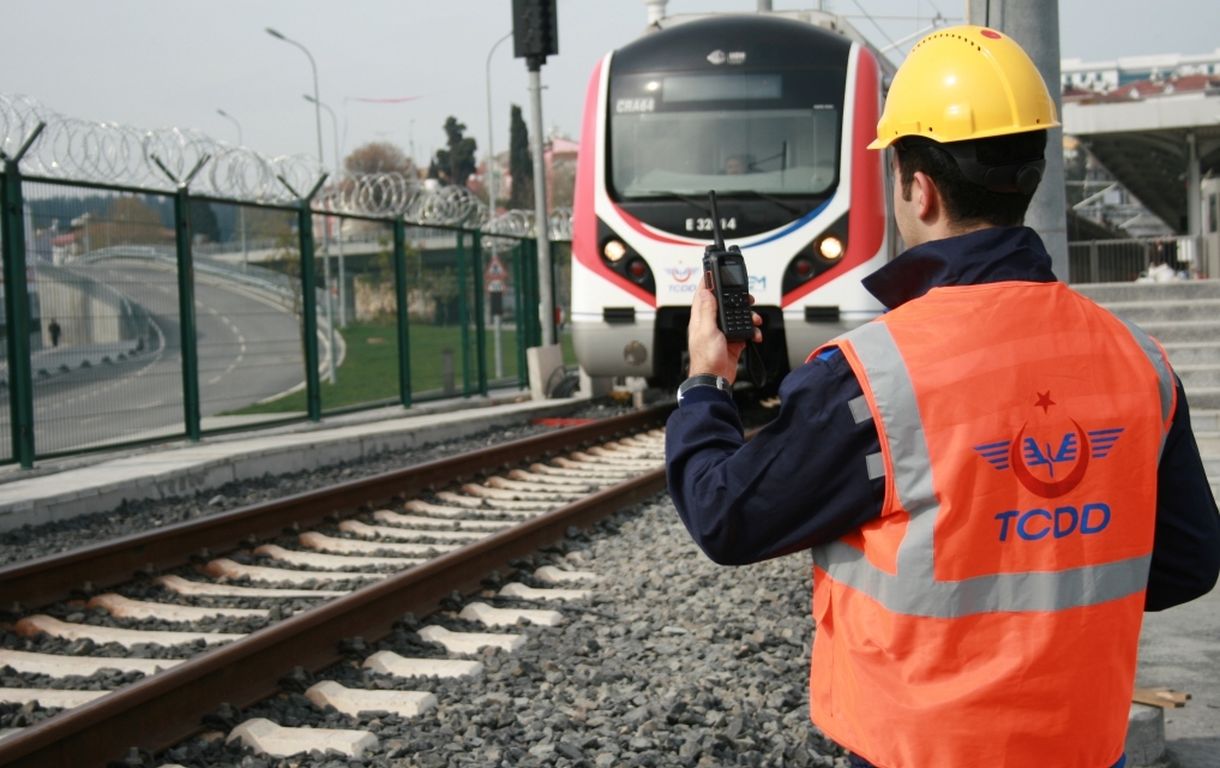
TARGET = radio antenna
(719,244)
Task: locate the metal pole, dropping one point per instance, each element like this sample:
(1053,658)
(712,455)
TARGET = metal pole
(17,306)
(491,152)
(546,304)
(241,209)
(334,124)
(1034,24)
(317,111)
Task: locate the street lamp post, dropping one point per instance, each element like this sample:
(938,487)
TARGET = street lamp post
(317,111)
(491,195)
(334,124)
(241,209)
(491,152)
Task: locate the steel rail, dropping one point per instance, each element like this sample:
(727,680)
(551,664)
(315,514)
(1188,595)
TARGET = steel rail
(161,710)
(34,583)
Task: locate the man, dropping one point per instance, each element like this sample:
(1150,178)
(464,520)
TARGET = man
(996,478)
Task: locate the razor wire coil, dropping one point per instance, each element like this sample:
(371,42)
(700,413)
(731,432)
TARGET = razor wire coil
(71,149)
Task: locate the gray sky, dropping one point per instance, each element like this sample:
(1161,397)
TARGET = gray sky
(156,63)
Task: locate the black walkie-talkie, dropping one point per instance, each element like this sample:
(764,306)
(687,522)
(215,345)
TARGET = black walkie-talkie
(730,283)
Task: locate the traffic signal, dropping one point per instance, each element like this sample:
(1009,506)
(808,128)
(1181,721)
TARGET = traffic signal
(535,30)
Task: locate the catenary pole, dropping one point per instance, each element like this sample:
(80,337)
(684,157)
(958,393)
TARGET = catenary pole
(1034,24)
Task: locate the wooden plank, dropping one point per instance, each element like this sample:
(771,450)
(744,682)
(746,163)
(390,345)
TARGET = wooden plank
(1165,698)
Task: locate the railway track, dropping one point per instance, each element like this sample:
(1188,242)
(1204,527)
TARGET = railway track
(347,561)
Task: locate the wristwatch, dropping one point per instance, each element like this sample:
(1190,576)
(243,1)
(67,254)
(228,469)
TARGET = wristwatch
(703,380)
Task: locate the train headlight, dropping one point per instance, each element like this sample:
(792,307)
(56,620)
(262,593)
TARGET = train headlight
(637,269)
(830,248)
(614,250)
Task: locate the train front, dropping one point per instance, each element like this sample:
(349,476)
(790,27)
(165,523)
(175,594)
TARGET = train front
(774,115)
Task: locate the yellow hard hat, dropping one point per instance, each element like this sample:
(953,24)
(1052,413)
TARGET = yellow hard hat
(962,83)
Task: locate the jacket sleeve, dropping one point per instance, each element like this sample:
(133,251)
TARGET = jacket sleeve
(801,481)
(1186,548)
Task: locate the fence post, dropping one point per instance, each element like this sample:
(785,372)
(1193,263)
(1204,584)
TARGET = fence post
(519,310)
(17,305)
(1094,263)
(533,285)
(309,305)
(186,314)
(400,295)
(480,331)
(186,295)
(463,312)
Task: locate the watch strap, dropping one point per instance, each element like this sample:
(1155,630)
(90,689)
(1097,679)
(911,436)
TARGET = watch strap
(703,380)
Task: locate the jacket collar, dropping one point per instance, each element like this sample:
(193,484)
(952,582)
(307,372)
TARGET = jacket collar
(989,255)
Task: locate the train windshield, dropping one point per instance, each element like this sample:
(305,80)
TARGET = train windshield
(775,133)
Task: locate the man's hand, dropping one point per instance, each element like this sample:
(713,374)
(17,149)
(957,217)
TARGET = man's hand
(710,351)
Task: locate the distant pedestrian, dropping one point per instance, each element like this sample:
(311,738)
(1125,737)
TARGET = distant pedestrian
(55,331)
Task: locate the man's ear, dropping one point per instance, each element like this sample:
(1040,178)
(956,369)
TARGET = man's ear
(926,197)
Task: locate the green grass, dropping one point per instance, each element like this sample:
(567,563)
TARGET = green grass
(369,372)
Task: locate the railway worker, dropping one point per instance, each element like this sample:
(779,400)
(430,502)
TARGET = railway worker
(996,478)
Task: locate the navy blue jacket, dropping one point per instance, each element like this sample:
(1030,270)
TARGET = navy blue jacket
(803,479)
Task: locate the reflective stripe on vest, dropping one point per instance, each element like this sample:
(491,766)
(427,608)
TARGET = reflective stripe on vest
(913,589)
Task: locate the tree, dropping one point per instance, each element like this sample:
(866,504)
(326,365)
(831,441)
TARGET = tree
(520,163)
(379,157)
(454,164)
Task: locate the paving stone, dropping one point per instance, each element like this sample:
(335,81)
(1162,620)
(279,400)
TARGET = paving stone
(507,617)
(126,608)
(1145,735)
(32,625)
(390,663)
(403,534)
(49,698)
(470,642)
(187,587)
(552,575)
(353,701)
(318,560)
(517,589)
(234,570)
(395,518)
(57,665)
(410,553)
(268,738)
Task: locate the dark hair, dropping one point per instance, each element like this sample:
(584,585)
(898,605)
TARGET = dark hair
(967,200)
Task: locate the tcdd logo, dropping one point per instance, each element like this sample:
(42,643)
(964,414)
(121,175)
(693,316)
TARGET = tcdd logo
(1037,524)
(1035,463)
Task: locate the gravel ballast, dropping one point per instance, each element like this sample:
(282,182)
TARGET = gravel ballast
(674,661)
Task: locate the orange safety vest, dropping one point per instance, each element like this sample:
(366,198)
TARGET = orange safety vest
(990,615)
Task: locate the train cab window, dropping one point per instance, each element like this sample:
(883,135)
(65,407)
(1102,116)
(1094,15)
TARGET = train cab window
(773,133)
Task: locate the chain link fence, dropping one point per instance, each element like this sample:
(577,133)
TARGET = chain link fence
(162,284)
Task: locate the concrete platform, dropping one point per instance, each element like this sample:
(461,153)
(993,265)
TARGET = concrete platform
(66,488)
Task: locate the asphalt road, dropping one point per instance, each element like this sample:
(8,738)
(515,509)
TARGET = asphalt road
(249,348)
(1180,649)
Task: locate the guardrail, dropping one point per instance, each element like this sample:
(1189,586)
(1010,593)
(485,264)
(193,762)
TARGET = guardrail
(1127,260)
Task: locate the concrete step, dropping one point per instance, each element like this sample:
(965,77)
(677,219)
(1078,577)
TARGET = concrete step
(1206,398)
(1198,376)
(1209,443)
(1193,353)
(1175,310)
(1104,293)
(1203,420)
(1171,332)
